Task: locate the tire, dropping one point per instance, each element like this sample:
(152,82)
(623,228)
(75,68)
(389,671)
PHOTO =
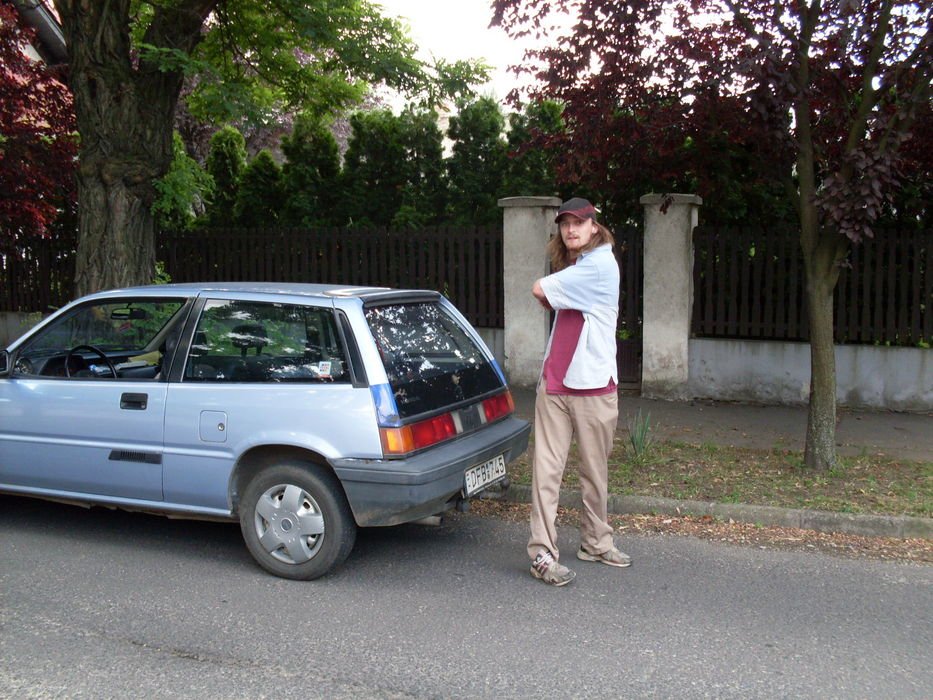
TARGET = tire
(281,501)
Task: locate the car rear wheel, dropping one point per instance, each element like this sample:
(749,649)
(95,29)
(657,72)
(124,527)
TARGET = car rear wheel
(296,521)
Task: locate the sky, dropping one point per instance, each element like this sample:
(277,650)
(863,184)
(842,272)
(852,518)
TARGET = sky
(459,29)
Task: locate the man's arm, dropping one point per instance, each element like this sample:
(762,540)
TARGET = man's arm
(539,294)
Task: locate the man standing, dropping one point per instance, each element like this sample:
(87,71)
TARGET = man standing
(577,393)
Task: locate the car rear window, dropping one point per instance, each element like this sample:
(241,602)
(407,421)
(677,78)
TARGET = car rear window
(431,361)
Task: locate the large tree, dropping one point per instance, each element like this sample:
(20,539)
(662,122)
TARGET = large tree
(127,62)
(37,139)
(820,93)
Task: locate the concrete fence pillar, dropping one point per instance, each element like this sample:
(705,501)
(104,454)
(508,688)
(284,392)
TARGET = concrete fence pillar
(668,293)
(528,222)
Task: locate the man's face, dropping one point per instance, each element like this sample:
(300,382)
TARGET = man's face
(576,233)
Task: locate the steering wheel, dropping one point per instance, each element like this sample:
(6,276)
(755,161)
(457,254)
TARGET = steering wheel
(97,351)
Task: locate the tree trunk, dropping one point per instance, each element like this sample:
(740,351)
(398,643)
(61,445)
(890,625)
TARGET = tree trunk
(116,232)
(125,109)
(823,250)
(820,450)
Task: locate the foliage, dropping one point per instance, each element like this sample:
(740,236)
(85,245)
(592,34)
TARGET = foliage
(37,136)
(639,434)
(260,195)
(161,275)
(476,168)
(226,162)
(424,197)
(393,170)
(531,170)
(911,204)
(453,80)
(698,96)
(374,168)
(256,58)
(394,173)
(310,175)
(182,192)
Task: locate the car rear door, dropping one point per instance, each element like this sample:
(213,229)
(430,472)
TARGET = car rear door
(261,374)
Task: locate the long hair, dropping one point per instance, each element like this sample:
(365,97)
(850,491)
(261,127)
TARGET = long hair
(560,256)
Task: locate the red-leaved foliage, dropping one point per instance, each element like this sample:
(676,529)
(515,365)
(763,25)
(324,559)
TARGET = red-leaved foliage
(720,97)
(38,143)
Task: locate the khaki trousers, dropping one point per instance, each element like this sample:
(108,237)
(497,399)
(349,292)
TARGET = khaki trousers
(558,418)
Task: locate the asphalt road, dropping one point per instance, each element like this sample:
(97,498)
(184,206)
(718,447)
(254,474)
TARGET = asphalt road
(97,604)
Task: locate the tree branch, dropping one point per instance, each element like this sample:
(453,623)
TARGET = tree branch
(869,94)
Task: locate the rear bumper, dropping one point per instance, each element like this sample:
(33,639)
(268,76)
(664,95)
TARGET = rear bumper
(389,492)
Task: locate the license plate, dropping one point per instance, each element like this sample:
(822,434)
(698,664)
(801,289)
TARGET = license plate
(482,475)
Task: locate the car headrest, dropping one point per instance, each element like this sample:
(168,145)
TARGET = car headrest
(249,335)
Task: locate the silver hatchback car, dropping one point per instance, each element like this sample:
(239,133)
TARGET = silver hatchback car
(303,411)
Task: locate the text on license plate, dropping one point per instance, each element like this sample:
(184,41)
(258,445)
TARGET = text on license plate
(482,475)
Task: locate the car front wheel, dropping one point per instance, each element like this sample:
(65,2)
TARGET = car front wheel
(296,521)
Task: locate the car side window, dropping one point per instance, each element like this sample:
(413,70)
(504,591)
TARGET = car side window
(101,340)
(244,341)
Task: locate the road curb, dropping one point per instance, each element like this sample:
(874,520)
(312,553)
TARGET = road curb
(900,526)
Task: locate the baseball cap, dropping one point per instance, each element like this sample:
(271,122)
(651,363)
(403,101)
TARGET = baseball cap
(578,207)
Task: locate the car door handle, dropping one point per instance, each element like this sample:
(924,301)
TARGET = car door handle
(134,402)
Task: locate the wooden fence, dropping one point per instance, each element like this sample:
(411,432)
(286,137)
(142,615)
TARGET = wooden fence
(630,252)
(749,283)
(464,263)
(36,274)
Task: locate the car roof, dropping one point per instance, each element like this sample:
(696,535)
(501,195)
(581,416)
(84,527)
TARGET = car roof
(284,288)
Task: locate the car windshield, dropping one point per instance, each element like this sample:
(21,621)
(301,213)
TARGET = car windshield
(431,361)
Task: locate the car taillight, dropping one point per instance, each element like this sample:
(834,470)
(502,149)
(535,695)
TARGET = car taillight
(497,406)
(408,438)
(401,439)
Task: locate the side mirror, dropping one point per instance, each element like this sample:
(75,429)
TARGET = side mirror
(4,363)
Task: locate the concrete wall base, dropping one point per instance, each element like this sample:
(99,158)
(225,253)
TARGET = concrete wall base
(775,372)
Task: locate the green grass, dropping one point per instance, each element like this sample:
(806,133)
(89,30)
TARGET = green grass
(776,477)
